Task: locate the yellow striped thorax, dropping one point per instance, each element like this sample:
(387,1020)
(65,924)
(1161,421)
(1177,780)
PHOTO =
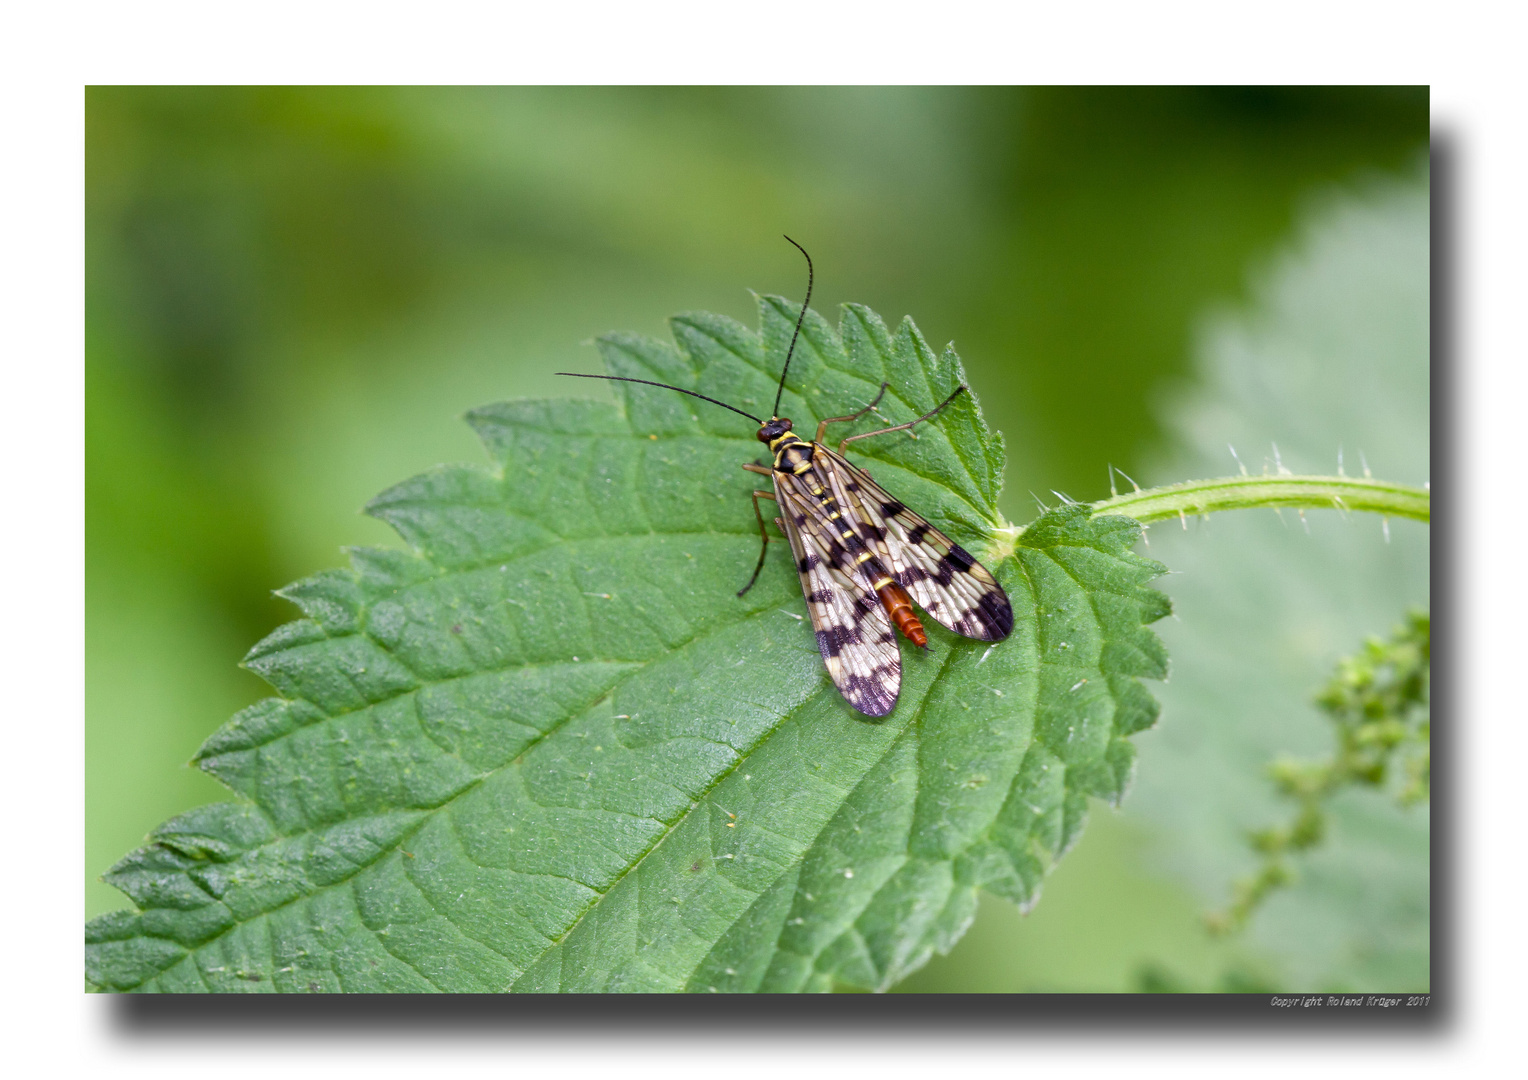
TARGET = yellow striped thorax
(793,454)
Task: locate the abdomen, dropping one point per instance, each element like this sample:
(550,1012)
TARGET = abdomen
(899,608)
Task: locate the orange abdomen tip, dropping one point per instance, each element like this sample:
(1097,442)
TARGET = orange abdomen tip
(899,607)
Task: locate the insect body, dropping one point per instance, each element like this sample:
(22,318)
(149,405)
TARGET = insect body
(863,556)
(860,553)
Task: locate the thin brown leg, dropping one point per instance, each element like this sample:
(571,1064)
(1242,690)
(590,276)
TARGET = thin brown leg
(760,469)
(763,536)
(906,426)
(822,427)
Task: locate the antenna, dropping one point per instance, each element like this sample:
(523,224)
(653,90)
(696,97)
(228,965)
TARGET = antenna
(799,319)
(666,386)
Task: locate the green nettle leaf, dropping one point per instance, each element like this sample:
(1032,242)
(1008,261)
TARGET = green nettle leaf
(548,748)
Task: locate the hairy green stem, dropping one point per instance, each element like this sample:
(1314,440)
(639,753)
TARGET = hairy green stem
(1244,492)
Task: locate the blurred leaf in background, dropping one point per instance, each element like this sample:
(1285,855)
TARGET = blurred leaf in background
(1332,358)
(1332,355)
(292,293)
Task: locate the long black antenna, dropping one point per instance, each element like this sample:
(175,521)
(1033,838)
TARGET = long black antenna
(799,319)
(666,386)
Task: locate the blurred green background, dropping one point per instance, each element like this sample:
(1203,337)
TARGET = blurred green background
(292,294)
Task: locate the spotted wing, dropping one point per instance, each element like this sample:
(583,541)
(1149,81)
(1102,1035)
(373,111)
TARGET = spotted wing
(858,644)
(956,590)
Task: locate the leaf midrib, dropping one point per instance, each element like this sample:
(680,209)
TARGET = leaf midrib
(428,812)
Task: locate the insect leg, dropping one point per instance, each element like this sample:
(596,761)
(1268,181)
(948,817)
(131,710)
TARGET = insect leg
(763,537)
(761,470)
(903,427)
(822,427)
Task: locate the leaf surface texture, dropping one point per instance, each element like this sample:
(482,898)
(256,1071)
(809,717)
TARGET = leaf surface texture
(548,749)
